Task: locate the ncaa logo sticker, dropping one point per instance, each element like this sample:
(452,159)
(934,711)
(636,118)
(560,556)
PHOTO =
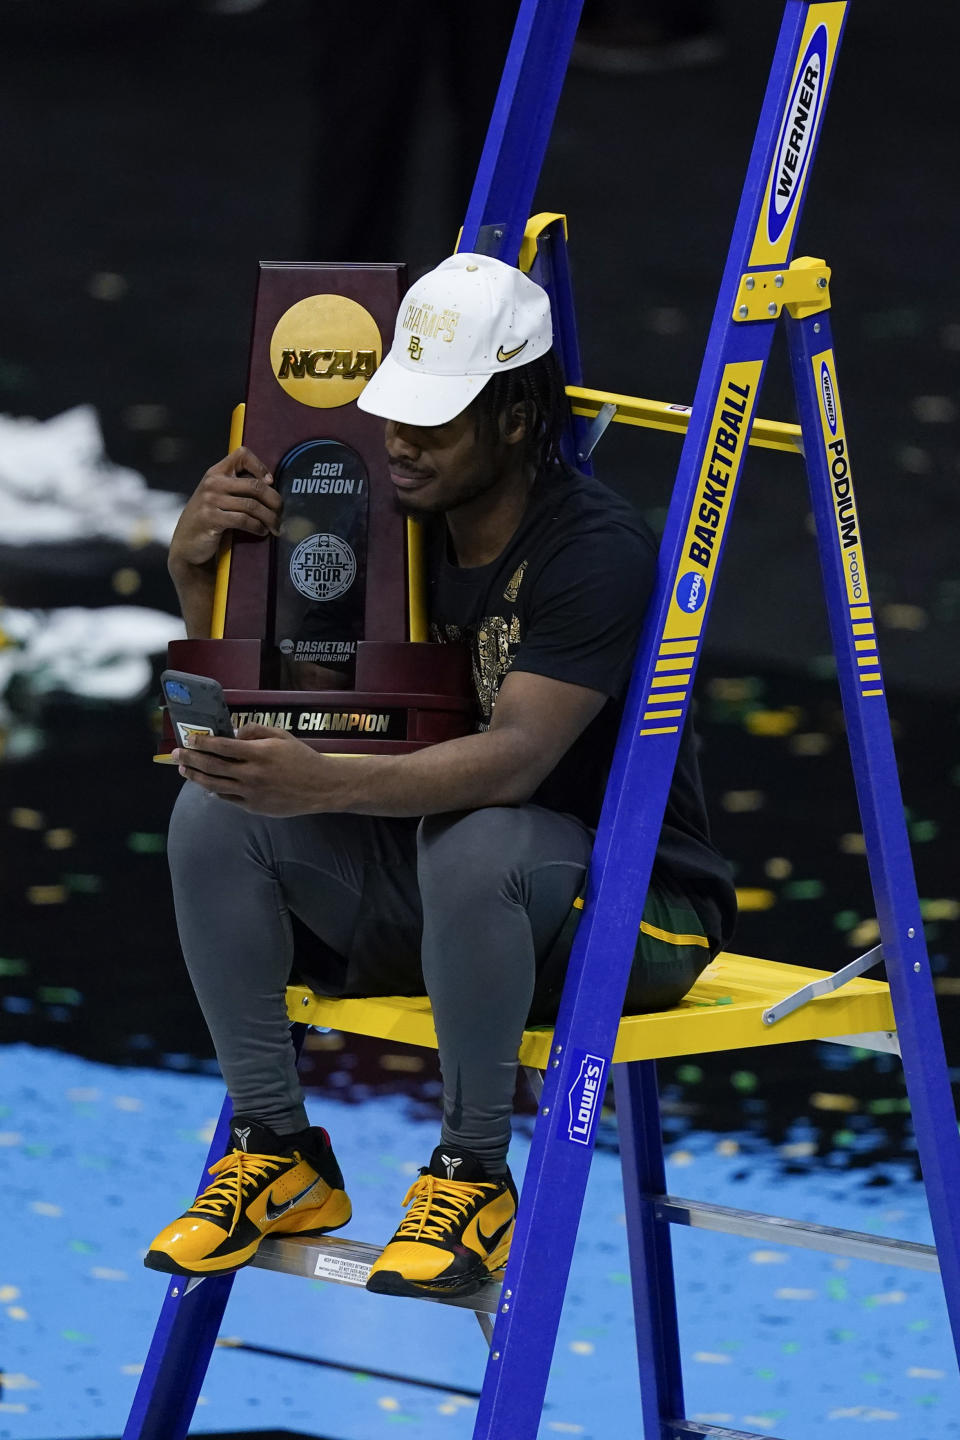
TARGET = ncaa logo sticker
(584,1099)
(322,567)
(797,134)
(829,398)
(691,591)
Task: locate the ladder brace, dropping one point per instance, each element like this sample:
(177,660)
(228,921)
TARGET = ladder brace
(827,986)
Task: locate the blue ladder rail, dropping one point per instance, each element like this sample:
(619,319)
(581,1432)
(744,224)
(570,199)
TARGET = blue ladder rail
(524,1336)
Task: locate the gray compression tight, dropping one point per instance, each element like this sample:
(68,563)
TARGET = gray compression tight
(476,898)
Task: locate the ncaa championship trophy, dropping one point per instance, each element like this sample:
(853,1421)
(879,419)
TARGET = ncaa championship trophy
(322,631)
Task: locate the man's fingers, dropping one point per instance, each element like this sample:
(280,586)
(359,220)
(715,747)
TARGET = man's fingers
(217,785)
(201,749)
(243,459)
(246,486)
(252,730)
(233,506)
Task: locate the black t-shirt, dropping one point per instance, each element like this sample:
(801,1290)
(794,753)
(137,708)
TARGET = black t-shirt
(566,599)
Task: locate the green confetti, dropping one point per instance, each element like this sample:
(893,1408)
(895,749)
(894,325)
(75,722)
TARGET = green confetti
(83,1247)
(846,919)
(871,1377)
(13,967)
(144,842)
(77,1336)
(744,1080)
(928,1400)
(803,890)
(837,1290)
(823,666)
(922,830)
(689,1074)
(59,995)
(846,1138)
(919,1325)
(618,1277)
(83,884)
(841,1335)
(764,1373)
(889,1106)
(790,1347)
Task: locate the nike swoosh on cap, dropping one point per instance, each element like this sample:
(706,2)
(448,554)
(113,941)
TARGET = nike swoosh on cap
(510,354)
(273,1212)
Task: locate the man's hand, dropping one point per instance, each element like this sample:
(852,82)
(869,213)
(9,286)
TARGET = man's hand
(235,494)
(265,770)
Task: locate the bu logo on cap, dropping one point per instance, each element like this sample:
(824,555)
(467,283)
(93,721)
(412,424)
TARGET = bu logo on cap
(415,348)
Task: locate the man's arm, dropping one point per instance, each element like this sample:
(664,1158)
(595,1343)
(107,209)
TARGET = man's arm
(535,722)
(235,494)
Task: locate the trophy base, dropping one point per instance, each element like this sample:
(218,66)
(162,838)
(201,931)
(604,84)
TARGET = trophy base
(407,695)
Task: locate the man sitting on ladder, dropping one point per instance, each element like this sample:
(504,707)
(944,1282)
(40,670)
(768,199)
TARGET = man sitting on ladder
(455,869)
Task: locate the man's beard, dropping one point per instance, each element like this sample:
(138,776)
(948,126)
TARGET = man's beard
(405,505)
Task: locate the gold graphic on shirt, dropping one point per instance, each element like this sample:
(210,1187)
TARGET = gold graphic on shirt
(449,635)
(492,658)
(516,580)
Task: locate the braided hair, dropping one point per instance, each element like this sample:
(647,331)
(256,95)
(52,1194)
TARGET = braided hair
(538,389)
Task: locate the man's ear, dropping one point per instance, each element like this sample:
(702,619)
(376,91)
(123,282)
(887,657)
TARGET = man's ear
(513,424)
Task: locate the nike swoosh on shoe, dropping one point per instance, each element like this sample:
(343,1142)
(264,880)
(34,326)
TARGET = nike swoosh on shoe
(491,1241)
(273,1212)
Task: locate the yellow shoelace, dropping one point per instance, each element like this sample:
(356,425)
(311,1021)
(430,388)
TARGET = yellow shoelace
(434,1204)
(238,1172)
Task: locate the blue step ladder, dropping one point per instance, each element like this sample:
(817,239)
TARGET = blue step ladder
(770,1003)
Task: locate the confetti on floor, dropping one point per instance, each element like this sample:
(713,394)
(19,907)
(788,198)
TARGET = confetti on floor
(81,1307)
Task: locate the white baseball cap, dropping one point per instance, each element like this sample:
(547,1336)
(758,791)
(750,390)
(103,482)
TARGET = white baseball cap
(457,326)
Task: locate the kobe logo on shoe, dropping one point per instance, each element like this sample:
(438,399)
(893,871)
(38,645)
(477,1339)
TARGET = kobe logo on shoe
(451,1162)
(273,1212)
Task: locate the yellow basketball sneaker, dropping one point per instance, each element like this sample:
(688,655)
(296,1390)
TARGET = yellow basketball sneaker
(456,1233)
(265,1185)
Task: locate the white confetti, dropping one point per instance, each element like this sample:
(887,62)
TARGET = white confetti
(57,485)
(100,654)
(862,1412)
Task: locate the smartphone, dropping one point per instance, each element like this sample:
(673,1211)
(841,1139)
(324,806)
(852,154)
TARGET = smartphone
(196,705)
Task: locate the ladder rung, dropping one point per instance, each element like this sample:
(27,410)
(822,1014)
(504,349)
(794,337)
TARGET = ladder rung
(807,1236)
(662,415)
(680,1429)
(348,1262)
